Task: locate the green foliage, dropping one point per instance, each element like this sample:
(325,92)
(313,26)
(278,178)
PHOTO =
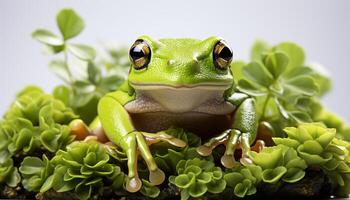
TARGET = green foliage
(84,167)
(34,172)
(279,80)
(279,163)
(36,120)
(286,90)
(8,173)
(149,190)
(243,180)
(195,177)
(81,91)
(318,146)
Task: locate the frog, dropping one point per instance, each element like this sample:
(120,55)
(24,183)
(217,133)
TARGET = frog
(179,82)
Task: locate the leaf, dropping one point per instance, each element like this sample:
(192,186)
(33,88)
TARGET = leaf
(197,189)
(259,47)
(312,147)
(241,189)
(276,63)
(321,77)
(84,87)
(184,180)
(302,85)
(193,169)
(256,72)
(94,73)
(52,50)
(204,177)
(111,83)
(293,175)
(149,190)
(13,178)
(273,175)
(69,23)
(300,117)
(82,51)
(60,69)
(47,37)
(47,184)
(294,52)
(236,68)
(251,88)
(62,93)
(216,186)
(31,165)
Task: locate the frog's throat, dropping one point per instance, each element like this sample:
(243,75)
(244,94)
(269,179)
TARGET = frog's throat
(203,98)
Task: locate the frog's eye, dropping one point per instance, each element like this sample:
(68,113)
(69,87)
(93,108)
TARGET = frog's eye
(222,55)
(140,54)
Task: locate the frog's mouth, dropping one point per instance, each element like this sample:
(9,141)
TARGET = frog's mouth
(204,86)
(203,97)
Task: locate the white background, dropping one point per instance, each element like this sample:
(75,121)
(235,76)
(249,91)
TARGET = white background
(321,27)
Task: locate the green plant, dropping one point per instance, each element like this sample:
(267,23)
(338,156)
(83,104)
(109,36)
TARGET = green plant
(244,180)
(82,90)
(196,177)
(279,163)
(84,167)
(34,172)
(36,120)
(286,89)
(318,146)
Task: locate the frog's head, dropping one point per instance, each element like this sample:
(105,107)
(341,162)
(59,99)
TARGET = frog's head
(180,62)
(180,65)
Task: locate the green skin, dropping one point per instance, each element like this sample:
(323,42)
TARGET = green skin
(175,64)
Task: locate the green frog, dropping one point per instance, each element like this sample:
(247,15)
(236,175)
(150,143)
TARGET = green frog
(184,83)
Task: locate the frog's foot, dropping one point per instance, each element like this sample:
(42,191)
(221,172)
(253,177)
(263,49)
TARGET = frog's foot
(81,131)
(232,138)
(139,142)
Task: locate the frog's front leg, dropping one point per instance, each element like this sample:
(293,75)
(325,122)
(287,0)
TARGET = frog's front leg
(243,132)
(118,127)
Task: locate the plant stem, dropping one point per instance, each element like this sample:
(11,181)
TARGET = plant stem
(265,106)
(67,67)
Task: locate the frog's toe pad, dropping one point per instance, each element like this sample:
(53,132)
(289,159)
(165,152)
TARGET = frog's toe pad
(228,161)
(204,150)
(133,184)
(156,177)
(177,142)
(246,161)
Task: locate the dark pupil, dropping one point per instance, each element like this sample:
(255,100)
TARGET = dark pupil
(137,52)
(225,54)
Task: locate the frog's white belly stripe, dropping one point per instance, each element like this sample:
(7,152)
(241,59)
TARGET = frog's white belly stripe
(181,100)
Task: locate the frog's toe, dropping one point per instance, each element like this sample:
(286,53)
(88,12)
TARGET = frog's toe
(177,142)
(156,177)
(152,138)
(246,161)
(133,184)
(228,161)
(204,150)
(79,129)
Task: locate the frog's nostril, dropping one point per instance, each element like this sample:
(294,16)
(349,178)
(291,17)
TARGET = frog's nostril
(171,62)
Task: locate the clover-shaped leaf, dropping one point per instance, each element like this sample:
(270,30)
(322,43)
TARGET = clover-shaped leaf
(69,23)
(47,37)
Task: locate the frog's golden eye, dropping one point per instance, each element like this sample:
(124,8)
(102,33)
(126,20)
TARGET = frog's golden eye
(140,54)
(222,55)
